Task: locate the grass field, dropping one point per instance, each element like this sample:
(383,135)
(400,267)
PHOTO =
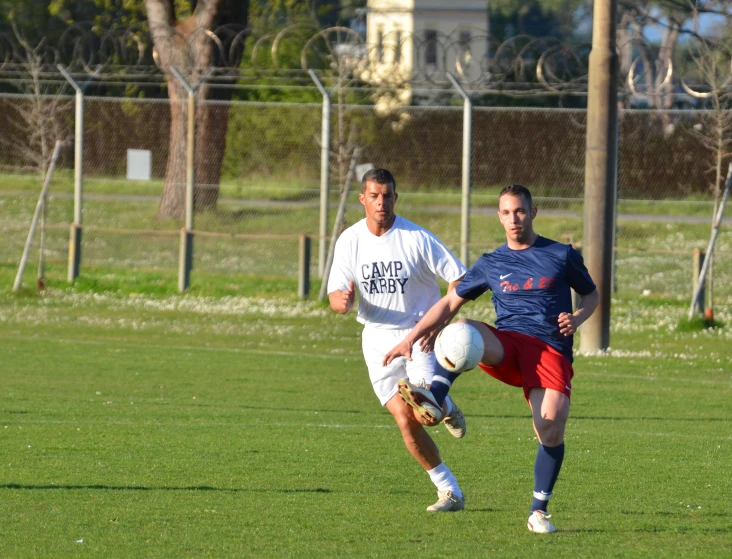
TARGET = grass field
(221,425)
(304,189)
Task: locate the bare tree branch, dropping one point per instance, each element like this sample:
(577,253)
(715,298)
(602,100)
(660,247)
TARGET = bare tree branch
(41,117)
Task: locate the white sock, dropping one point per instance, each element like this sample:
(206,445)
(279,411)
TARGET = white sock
(443,479)
(449,405)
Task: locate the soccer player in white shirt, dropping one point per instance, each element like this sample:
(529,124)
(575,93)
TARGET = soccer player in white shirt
(393,264)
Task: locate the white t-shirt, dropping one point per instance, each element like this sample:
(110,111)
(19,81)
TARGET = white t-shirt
(394,273)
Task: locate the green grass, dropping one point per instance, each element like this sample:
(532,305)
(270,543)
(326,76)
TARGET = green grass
(152,283)
(698,323)
(133,236)
(308,189)
(256,188)
(235,423)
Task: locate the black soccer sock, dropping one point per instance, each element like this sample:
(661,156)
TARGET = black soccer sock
(546,470)
(441,382)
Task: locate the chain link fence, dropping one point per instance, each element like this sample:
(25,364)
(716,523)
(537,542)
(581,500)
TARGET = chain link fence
(269,190)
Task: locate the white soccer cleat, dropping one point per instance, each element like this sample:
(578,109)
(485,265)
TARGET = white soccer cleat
(421,399)
(455,422)
(539,523)
(447,501)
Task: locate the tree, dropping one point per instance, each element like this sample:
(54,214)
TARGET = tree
(710,73)
(32,20)
(181,40)
(652,64)
(42,116)
(538,18)
(181,35)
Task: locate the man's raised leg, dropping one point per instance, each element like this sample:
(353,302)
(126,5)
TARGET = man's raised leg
(434,405)
(430,411)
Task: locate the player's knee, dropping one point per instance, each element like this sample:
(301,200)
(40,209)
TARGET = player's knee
(493,352)
(405,420)
(550,431)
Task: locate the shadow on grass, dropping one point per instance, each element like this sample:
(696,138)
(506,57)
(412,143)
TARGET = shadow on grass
(602,417)
(488,509)
(381,412)
(646,530)
(684,514)
(144,488)
(645,418)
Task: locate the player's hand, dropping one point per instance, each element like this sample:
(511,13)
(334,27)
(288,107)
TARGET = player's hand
(568,323)
(427,342)
(346,297)
(402,349)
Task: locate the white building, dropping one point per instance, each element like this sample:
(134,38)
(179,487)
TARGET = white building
(420,40)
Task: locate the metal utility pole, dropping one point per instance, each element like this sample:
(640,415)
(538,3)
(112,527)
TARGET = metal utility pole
(324,172)
(601,170)
(185,259)
(340,218)
(467,178)
(74,263)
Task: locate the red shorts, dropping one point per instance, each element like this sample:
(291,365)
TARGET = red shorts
(530,363)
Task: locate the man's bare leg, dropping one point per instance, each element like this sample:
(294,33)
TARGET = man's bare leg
(424,450)
(418,442)
(549,410)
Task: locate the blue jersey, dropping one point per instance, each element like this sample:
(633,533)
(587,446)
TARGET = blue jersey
(531,287)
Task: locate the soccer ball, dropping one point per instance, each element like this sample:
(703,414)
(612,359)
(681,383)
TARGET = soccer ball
(459,347)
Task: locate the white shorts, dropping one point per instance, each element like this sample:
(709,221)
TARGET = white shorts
(375,343)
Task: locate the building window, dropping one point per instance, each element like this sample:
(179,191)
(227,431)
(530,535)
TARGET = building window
(398,47)
(465,39)
(430,46)
(380,45)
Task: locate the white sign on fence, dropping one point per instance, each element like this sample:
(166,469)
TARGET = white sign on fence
(361,170)
(139,163)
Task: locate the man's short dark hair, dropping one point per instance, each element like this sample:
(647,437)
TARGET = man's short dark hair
(517,190)
(379,176)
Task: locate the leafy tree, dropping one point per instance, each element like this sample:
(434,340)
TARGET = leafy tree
(178,30)
(674,19)
(539,18)
(32,20)
(105,13)
(40,117)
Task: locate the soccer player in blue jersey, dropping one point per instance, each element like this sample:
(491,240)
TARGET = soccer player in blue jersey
(531,343)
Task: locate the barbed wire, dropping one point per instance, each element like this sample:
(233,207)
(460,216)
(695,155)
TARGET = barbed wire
(520,65)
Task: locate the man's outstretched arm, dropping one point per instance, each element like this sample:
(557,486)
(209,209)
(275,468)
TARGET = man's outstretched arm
(427,342)
(440,314)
